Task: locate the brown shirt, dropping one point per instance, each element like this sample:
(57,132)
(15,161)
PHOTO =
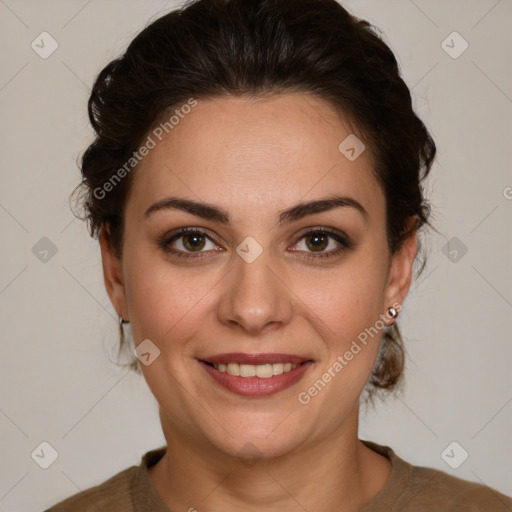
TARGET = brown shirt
(409,489)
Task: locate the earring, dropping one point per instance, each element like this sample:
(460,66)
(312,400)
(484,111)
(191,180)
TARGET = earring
(392,312)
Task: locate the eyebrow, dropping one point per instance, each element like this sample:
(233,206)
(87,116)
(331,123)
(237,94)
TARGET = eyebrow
(216,213)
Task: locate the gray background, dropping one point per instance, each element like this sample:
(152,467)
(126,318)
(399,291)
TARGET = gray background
(59,329)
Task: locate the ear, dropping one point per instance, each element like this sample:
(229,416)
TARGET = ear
(400,271)
(112,273)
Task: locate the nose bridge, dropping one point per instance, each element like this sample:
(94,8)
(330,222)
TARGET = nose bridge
(254,296)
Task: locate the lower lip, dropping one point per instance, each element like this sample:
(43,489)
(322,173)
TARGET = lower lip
(255,386)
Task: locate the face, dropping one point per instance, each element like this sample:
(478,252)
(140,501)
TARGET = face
(259,279)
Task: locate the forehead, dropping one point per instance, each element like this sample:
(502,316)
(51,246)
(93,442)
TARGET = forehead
(264,152)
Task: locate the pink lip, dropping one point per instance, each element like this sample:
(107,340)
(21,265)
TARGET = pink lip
(255,386)
(242,358)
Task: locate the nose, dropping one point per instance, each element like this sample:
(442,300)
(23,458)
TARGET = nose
(255,297)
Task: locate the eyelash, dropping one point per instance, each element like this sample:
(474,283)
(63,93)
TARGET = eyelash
(344,242)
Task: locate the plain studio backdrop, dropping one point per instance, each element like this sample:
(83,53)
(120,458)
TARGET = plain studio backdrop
(59,329)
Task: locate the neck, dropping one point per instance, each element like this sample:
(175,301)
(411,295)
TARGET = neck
(338,472)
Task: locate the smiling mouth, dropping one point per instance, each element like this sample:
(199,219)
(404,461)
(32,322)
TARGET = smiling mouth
(263,371)
(255,375)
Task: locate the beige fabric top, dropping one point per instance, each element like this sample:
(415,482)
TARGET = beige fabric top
(409,489)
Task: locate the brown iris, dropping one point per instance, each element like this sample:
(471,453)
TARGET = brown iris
(317,240)
(194,241)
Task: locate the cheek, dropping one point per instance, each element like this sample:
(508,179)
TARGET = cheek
(345,300)
(345,305)
(167,305)
(165,301)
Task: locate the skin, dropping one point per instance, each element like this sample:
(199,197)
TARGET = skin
(254,158)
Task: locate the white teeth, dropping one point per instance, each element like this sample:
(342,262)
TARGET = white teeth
(277,368)
(263,371)
(247,370)
(232,368)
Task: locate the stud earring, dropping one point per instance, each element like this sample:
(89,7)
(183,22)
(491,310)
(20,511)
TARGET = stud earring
(392,312)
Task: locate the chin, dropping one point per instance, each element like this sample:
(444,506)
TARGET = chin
(251,437)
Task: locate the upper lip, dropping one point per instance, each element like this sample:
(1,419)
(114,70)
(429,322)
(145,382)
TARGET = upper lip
(255,359)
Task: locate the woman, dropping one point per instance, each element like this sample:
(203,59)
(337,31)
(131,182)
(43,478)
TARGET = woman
(256,187)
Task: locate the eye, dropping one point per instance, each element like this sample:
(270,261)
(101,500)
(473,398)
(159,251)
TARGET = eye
(315,243)
(188,241)
(322,243)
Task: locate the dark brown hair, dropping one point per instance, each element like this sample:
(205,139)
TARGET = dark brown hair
(258,47)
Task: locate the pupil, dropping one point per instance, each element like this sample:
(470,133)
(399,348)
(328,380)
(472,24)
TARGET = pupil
(317,241)
(194,241)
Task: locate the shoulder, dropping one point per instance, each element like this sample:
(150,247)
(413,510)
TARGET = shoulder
(113,495)
(442,491)
(421,489)
(126,491)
